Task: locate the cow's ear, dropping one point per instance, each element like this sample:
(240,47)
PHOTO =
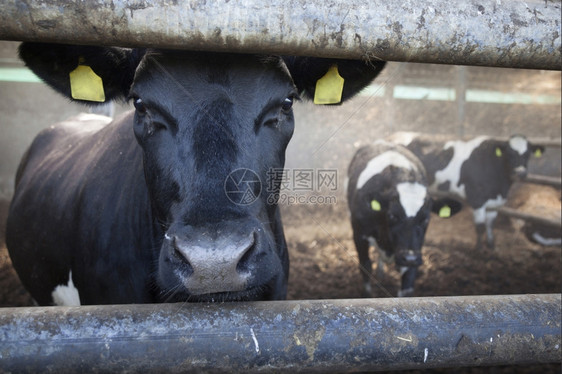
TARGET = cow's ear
(356,75)
(537,150)
(54,63)
(445,207)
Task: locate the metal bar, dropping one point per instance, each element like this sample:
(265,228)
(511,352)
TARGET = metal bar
(461,99)
(527,217)
(519,34)
(543,179)
(545,142)
(292,336)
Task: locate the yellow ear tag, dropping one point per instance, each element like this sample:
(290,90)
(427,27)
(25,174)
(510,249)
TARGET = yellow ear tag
(445,212)
(86,85)
(498,152)
(329,88)
(375,205)
(538,153)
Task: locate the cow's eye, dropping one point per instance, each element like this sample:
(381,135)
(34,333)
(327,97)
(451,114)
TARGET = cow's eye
(139,105)
(287,104)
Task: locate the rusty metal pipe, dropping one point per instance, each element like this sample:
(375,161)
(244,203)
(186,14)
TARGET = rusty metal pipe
(543,179)
(292,336)
(514,213)
(518,34)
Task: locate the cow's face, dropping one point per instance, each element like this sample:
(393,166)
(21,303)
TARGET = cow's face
(211,127)
(203,121)
(404,217)
(515,155)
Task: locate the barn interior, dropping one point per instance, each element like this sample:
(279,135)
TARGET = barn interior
(463,101)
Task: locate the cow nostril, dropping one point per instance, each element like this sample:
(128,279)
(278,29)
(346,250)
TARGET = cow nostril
(520,172)
(247,253)
(176,250)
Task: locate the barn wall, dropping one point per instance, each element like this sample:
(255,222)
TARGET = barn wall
(25,109)
(327,137)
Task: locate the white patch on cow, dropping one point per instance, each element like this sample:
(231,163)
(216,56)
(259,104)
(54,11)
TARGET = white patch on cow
(372,241)
(518,144)
(452,172)
(93,117)
(546,241)
(482,216)
(381,162)
(412,197)
(479,215)
(66,295)
(490,217)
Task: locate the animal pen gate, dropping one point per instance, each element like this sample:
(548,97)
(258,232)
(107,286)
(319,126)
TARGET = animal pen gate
(323,336)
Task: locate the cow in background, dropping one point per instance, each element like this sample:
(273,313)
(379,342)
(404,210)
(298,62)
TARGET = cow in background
(479,171)
(390,210)
(135,210)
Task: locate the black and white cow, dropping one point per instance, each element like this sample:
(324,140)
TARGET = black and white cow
(479,171)
(135,210)
(390,210)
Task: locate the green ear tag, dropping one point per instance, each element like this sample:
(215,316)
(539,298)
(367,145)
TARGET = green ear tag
(445,212)
(86,85)
(329,88)
(498,152)
(538,153)
(375,205)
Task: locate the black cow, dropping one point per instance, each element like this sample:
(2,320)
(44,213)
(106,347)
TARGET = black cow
(137,210)
(390,210)
(479,171)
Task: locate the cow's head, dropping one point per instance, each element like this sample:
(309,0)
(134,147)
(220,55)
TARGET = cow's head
(401,215)
(393,202)
(514,155)
(211,127)
(404,217)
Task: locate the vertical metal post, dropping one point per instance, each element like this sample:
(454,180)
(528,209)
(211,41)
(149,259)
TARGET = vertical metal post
(461,99)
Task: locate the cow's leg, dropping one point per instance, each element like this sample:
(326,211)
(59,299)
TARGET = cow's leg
(383,259)
(490,217)
(409,275)
(365,265)
(480,225)
(480,229)
(380,265)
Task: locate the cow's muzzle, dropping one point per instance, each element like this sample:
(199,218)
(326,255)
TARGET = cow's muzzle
(519,173)
(214,264)
(230,258)
(408,258)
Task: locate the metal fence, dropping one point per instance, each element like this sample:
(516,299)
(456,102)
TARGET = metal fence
(288,336)
(294,336)
(521,34)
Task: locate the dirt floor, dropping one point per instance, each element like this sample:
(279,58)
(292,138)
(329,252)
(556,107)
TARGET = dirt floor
(324,261)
